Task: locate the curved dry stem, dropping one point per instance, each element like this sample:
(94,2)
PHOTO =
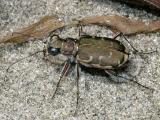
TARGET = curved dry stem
(37,30)
(123,24)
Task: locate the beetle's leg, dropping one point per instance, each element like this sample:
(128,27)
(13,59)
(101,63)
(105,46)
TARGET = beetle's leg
(77,84)
(135,50)
(80,30)
(110,73)
(64,72)
(121,34)
(113,73)
(139,84)
(117,35)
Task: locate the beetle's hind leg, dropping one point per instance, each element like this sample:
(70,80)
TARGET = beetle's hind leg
(135,51)
(121,34)
(113,76)
(131,78)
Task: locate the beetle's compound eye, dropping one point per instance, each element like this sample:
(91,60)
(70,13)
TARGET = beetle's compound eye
(54,51)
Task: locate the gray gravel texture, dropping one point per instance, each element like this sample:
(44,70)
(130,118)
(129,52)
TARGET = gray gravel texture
(26,90)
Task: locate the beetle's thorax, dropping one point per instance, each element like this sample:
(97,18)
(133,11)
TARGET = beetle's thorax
(69,47)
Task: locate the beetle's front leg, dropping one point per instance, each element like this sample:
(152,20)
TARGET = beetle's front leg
(64,72)
(77,84)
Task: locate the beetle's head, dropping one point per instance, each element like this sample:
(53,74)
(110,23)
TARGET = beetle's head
(62,49)
(66,47)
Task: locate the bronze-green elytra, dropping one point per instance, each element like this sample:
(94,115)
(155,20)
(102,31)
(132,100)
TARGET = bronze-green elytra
(101,52)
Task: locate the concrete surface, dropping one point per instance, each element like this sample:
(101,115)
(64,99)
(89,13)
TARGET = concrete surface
(26,90)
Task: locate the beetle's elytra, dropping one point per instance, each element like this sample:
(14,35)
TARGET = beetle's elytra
(102,53)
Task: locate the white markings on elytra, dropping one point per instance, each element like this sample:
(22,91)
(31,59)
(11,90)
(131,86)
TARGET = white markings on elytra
(90,58)
(118,62)
(86,61)
(110,55)
(111,44)
(100,59)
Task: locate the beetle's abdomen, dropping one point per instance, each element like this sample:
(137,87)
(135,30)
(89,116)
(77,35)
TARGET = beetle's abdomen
(100,57)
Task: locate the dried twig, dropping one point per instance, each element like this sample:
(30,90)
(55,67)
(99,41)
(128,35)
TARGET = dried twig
(36,30)
(122,24)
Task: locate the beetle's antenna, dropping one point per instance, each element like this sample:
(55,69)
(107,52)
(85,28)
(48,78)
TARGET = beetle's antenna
(23,59)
